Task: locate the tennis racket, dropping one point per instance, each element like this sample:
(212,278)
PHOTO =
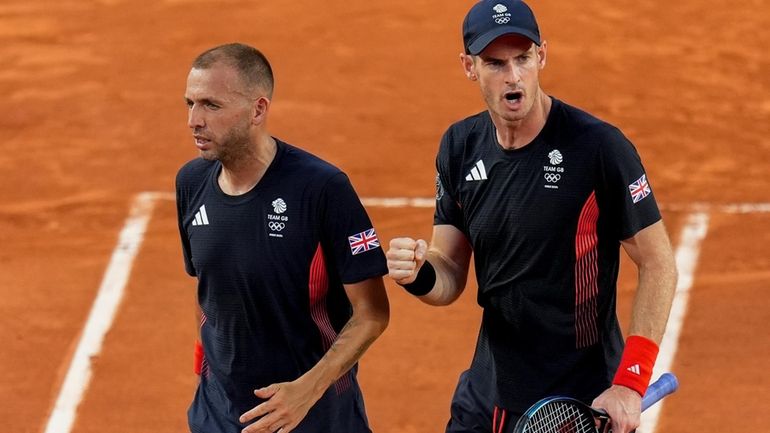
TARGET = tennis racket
(567,415)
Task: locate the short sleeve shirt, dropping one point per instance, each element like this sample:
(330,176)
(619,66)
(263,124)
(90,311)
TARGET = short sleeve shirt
(271,265)
(545,222)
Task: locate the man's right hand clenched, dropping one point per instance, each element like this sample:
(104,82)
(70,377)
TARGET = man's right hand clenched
(405,258)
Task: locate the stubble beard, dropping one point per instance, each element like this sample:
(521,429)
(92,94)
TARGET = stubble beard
(232,148)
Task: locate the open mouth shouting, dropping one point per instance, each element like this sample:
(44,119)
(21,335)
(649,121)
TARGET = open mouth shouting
(513,98)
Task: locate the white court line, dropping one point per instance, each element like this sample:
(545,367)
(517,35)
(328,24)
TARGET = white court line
(429,202)
(693,233)
(101,316)
(399,201)
(729,208)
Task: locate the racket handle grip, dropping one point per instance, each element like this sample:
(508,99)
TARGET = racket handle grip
(665,385)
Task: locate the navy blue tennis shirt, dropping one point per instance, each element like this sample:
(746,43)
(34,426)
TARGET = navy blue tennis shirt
(545,222)
(271,265)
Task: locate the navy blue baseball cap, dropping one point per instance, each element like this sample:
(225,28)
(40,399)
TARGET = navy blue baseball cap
(489,19)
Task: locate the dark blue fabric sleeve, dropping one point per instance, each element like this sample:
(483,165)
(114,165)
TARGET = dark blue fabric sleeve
(181,206)
(448,209)
(355,244)
(628,187)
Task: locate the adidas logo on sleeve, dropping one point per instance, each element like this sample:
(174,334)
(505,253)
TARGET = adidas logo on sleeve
(478,172)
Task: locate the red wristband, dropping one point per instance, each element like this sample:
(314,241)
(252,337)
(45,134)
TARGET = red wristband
(198,363)
(635,369)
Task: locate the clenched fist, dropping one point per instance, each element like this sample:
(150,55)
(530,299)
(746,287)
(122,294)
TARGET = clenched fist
(405,258)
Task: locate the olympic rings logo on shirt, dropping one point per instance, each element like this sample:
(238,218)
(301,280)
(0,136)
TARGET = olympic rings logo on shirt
(276,227)
(552,177)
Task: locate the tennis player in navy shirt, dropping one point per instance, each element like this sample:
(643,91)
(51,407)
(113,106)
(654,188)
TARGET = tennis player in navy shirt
(288,264)
(542,195)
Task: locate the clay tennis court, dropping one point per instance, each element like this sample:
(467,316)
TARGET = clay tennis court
(94,129)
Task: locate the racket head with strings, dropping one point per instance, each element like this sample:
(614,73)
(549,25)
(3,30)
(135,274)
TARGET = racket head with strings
(567,415)
(561,415)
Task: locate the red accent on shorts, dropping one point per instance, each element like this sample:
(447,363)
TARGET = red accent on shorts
(198,358)
(498,413)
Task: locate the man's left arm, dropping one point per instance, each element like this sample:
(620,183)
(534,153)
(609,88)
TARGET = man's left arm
(650,249)
(288,403)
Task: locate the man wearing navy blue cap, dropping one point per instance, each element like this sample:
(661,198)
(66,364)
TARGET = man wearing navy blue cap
(542,195)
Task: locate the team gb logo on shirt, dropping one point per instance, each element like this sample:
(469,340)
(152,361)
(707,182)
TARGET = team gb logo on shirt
(279,206)
(277,222)
(555,157)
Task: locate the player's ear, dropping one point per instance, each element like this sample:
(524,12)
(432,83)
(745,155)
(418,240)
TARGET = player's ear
(261,107)
(469,66)
(541,54)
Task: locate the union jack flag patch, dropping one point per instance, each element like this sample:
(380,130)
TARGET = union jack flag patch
(639,189)
(364,241)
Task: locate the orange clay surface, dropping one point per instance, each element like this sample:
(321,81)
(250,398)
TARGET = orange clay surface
(93,114)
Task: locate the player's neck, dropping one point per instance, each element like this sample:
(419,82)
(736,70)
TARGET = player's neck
(241,175)
(517,134)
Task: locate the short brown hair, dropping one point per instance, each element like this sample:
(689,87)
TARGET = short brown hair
(250,63)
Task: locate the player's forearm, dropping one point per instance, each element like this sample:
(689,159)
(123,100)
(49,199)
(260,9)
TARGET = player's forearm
(653,299)
(450,280)
(352,342)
